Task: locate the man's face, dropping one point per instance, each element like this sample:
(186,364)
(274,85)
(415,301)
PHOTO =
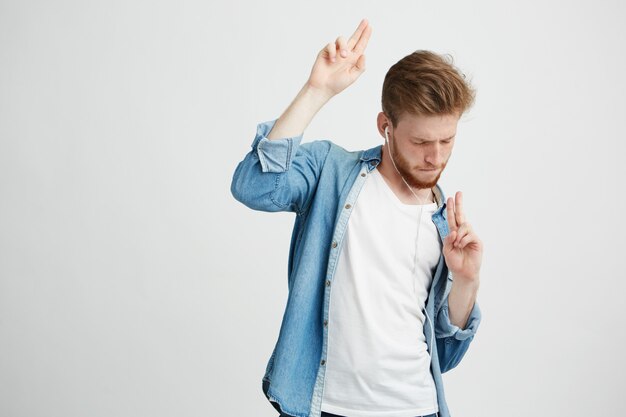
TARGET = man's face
(421,147)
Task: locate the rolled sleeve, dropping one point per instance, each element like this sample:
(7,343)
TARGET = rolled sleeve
(279,174)
(275,155)
(447,329)
(452,341)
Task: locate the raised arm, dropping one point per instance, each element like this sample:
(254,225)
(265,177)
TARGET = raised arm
(279,174)
(337,66)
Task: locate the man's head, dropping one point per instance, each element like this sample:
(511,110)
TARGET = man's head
(423,98)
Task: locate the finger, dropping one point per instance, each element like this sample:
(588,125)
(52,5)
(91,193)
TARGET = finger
(342,45)
(451,217)
(466,240)
(362,43)
(330,51)
(357,34)
(458,208)
(464,228)
(462,231)
(449,239)
(360,64)
(471,239)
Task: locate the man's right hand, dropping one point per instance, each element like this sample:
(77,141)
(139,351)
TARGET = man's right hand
(340,63)
(331,74)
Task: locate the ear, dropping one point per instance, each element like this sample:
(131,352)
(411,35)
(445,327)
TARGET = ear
(382,122)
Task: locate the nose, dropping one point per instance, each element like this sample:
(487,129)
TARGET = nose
(433,155)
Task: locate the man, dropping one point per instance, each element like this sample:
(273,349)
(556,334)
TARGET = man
(383,273)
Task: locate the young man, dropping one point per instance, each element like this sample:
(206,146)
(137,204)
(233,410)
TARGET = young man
(383,272)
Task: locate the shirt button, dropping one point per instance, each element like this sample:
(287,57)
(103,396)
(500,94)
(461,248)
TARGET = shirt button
(325,323)
(328,283)
(348,206)
(334,244)
(323,362)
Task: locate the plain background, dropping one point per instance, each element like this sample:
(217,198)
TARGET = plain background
(133,284)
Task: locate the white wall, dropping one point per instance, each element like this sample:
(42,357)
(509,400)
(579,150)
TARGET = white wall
(133,284)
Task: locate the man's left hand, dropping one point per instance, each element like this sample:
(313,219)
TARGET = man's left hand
(462,249)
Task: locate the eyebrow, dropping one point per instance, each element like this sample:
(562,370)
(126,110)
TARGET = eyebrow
(428,140)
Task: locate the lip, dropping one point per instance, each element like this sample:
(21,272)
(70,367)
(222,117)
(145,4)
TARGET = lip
(428,170)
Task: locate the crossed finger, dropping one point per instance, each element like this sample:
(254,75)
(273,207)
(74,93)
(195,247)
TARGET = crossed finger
(456,215)
(358,40)
(464,235)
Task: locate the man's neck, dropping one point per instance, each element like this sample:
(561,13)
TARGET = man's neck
(400,188)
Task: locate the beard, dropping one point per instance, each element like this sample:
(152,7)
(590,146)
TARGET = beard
(425,180)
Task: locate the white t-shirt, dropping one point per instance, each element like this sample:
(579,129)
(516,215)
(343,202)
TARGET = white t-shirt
(378,363)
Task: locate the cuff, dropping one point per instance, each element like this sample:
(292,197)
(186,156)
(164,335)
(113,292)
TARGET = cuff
(274,155)
(447,329)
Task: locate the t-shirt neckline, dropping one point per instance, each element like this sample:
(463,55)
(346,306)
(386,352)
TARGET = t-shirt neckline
(425,207)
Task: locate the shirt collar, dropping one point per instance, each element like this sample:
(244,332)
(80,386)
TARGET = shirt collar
(440,198)
(372,154)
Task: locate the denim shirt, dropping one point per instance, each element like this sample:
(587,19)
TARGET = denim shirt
(320,182)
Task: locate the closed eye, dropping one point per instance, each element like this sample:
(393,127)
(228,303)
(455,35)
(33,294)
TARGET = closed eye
(446,141)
